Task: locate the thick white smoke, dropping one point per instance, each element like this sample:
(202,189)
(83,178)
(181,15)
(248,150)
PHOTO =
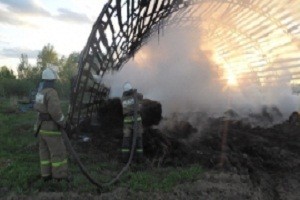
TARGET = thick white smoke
(173,70)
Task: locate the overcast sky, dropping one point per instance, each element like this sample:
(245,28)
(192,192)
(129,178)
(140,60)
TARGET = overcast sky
(27,25)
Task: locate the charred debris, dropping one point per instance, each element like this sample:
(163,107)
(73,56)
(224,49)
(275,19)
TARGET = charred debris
(262,140)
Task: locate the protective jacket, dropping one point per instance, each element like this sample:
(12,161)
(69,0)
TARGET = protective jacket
(53,155)
(48,106)
(128,103)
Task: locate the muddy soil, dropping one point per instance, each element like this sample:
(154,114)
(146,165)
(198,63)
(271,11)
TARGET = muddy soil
(270,157)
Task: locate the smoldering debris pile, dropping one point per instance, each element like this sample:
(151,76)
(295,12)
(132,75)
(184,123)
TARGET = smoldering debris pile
(204,139)
(151,112)
(269,156)
(178,129)
(266,118)
(186,138)
(111,114)
(107,132)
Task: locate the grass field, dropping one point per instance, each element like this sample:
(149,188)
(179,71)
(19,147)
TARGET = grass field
(19,163)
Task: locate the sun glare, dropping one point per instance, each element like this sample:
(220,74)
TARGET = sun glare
(141,58)
(262,50)
(231,80)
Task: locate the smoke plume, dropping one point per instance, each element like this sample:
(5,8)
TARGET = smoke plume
(172,69)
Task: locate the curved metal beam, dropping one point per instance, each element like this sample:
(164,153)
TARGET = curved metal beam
(124,26)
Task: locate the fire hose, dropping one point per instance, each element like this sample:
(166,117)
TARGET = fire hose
(123,170)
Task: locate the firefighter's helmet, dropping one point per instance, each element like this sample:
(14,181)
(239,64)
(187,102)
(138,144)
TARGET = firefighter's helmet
(49,74)
(127,86)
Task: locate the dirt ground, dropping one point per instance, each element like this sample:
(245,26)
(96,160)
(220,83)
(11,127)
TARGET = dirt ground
(268,157)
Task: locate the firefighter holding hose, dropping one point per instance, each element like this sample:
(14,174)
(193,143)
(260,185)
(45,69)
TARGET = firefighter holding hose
(130,101)
(52,150)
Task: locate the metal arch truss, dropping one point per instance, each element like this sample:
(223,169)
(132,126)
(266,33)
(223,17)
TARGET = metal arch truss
(124,26)
(121,29)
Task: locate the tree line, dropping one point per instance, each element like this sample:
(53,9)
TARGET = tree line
(28,75)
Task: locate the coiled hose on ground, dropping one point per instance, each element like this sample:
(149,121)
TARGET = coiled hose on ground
(124,169)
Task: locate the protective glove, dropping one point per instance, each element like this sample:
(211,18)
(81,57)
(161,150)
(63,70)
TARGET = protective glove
(62,124)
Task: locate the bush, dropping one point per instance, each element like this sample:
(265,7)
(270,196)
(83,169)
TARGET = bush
(15,87)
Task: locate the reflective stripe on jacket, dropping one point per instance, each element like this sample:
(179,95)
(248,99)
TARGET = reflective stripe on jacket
(50,133)
(54,164)
(130,119)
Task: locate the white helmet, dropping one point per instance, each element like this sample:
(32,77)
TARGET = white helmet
(49,74)
(127,86)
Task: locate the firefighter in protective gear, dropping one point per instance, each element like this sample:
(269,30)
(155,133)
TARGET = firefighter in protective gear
(52,150)
(129,99)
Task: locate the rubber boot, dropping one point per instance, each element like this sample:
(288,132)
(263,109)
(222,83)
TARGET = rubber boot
(68,179)
(47,178)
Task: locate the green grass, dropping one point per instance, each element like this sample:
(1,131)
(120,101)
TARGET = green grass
(19,164)
(17,159)
(162,179)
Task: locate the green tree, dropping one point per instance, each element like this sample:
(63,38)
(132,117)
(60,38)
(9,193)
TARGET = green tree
(69,67)
(23,67)
(5,73)
(28,72)
(29,75)
(47,56)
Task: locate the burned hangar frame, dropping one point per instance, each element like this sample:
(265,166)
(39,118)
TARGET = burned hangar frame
(235,28)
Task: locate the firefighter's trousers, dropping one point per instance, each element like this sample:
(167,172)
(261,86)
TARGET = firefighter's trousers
(127,141)
(53,155)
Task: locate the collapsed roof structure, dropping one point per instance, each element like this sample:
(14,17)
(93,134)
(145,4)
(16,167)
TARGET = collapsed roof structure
(253,41)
